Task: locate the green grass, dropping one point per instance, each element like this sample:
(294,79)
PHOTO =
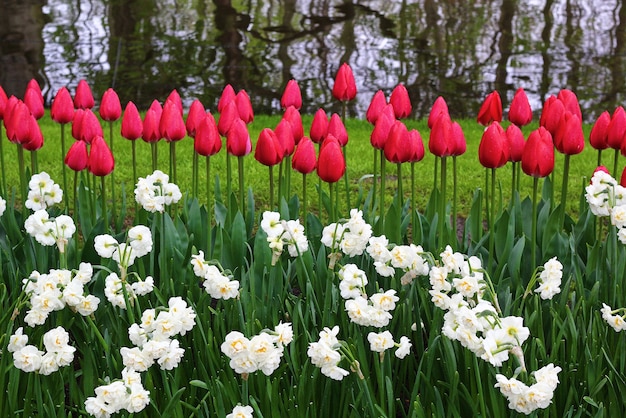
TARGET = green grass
(360,157)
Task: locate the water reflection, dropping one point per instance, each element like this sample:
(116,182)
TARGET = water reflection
(461,50)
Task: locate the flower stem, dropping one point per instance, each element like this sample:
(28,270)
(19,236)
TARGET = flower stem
(20,162)
(564,188)
(413,208)
(304,208)
(345,176)
(599,163)
(382,192)
(134,151)
(400,191)
(173,161)
(4,177)
(104,201)
(533,251)
(64,169)
(242,203)
(331,211)
(454,197)
(209,204)
(153,145)
(194,174)
(374,182)
(113,210)
(271,169)
(492,221)
(615,158)
(442,202)
(229,177)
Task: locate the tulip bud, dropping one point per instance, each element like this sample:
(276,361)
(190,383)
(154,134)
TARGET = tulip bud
(171,124)
(516,142)
(196,114)
(62,110)
(493,150)
(520,112)
(337,129)
(228,115)
(400,101)
(442,142)
(569,138)
(17,122)
(458,138)
(291,96)
(319,126)
(3,102)
(344,88)
(617,128)
(538,154)
(33,98)
(491,109)
(238,139)
(83,99)
(35,137)
(101,162)
(383,125)
(77,157)
(151,131)
(599,136)
(551,113)
(228,95)
(397,148)
(110,106)
(244,107)
(440,106)
(89,126)
(303,160)
(284,135)
(331,165)
(416,146)
(132,126)
(376,106)
(207,140)
(268,151)
(570,102)
(292,115)
(174,97)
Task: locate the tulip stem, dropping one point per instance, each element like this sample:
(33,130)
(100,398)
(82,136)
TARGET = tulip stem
(382,192)
(153,145)
(331,214)
(413,208)
(20,162)
(113,210)
(533,231)
(615,158)
(4,177)
(287,190)
(62,158)
(345,176)
(173,161)
(34,166)
(454,197)
(271,167)
(304,199)
(442,202)
(599,163)
(280,182)
(209,204)
(435,173)
(374,182)
(492,221)
(400,191)
(242,203)
(194,174)
(104,201)
(513,177)
(229,178)
(75,214)
(564,188)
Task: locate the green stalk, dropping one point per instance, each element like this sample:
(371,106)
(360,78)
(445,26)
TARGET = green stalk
(513,178)
(345,176)
(271,168)
(599,163)
(242,203)
(442,202)
(229,178)
(374,181)
(194,174)
(435,173)
(492,221)
(319,186)
(615,158)
(400,191)
(173,161)
(454,198)
(20,161)
(331,214)
(113,201)
(280,180)
(134,151)
(91,182)
(533,251)
(304,208)
(104,201)
(4,177)
(209,204)
(153,145)
(564,188)
(34,165)
(75,214)
(287,190)
(64,169)
(382,192)
(413,208)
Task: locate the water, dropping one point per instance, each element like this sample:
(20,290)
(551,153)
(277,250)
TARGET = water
(461,50)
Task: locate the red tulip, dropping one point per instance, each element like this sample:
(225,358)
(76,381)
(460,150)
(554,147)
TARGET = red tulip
(268,151)
(228,95)
(83,99)
(383,125)
(77,123)
(344,88)
(397,148)
(17,122)
(151,131)
(460,145)
(89,126)
(416,146)
(101,162)
(617,128)
(442,142)
(132,126)
(8,110)
(440,106)
(171,124)
(551,113)
(330,164)
(569,138)
(175,98)
(516,142)
(207,140)
(228,115)
(77,157)
(35,137)
(3,102)
(493,150)
(538,155)
(337,129)
(520,112)
(291,96)
(622,180)
(599,136)
(62,110)
(400,101)
(491,109)
(196,114)
(110,106)
(601,168)
(244,106)
(376,106)
(238,139)
(293,116)
(570,102)
(319,126)
(158,109)
(34,99)
(303,160)
(284,135)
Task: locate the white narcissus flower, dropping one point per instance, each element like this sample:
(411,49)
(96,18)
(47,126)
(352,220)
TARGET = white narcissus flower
(380,342)
(241,411)
(3,205)
(234,344)
(140,239)
(105,245)
(199,264)
(17,341)
(404,347)
(616,322)
(284,333)
(28,358)
(271,225)
(377,249)
(385,300)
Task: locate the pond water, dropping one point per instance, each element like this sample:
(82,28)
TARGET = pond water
(458,49)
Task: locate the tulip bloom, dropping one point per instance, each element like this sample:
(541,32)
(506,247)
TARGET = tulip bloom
(238,139)
(516,142)
(101,162)
(439,107)
(244,107)
(397,148)
(284,135)
(228,95)
(151,133)
(171,125)
(132,126)
(376,106)
(268,151)
(330,164)
(599,136)
(35,137)
(538,154)
(110,106)
(520,112)
(83,99)
(291,96)
(569,138)
(400,101)
(551,113)
(228,115)
(293,116)
(493,150)
(337,129)
(62,110)
(17,122)
(383,125)
(304,157)
(441,142)
(175,98)
(570,102)
(33,98)
(196,114)
(491,109)
(77,158)
(344,88)
(416,146)
(89,126)
(460,145)
(319,126)
(617,128)
(3,102)
(207,141)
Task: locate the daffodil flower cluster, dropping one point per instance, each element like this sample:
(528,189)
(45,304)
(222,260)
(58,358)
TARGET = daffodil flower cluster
(350,237)
(550,279)
(606,197)
(154,337)
(281,232)
(125,394)
(50,231)
(43,192)
(406,258)
(615,318)
(216,283)
(526,399)
(326,354)
(261,352)
(57,289)
(28,358)
(155,192)
(382,341)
